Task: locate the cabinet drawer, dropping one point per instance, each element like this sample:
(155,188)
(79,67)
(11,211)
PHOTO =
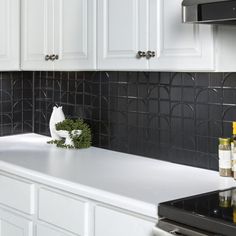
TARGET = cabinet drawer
(115,223)
(17,194)
(63,211)
(46,231)
(13,225)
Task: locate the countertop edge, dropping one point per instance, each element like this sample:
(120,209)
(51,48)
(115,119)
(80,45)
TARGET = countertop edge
(101,196)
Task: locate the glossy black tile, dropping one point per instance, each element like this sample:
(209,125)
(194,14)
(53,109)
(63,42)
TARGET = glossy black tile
(16,103)
(176,117)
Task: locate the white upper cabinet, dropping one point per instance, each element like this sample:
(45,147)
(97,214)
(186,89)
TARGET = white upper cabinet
(178,46)
(58,35)
(131,35)
(122,33)
(37,34)
(225,48)
(155,29)
(75,33)
(9,35)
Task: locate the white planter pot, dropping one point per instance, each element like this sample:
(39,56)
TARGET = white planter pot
(56,117)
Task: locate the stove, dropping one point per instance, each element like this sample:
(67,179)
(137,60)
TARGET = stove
(212,213)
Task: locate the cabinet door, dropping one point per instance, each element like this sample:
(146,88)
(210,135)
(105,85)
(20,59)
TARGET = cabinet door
(63,211)
(110,222)
(25,192)
(46,231)
(226,50)
(178,46)
(9,35)
(75,34)
(122,32)
(11,225)
(37,34)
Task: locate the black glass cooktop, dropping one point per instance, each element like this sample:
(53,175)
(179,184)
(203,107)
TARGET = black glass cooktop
(214,212)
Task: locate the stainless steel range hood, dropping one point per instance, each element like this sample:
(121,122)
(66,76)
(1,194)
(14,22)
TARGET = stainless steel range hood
(209,11)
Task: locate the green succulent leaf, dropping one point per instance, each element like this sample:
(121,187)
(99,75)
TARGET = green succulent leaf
(82,141)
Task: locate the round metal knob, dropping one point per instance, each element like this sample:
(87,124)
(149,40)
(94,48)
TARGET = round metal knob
(153,54)
(141,54)
(150,54)
(47,58)
(53,57)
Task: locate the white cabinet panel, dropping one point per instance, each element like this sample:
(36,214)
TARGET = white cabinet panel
(59,213)
(122,32)
(12,225)
(11,188)
(65,28)
(37,34)
(178,46)
(128,26)
(75,37)
(110,222)
(225,48)
(9,35)
(45,231)
(63,211)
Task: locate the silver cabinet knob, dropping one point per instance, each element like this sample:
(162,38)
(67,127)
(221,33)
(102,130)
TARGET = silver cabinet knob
(54,57)
(47,58)
(150,54)
(141,54)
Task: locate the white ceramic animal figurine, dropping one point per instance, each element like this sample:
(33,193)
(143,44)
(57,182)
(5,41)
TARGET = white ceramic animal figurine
(65,134)
(56,117)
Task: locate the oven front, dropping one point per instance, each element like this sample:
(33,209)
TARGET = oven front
(169,228)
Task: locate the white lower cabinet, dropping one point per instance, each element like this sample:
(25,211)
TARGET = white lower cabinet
(109,222)
(46,231)
(25,192)
(12,225)
(60,213)
(66,212)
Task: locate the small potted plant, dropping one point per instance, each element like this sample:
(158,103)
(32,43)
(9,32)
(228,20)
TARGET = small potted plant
(75,134)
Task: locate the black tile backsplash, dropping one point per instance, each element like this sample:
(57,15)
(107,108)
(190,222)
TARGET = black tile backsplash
(176,117)
(15,103)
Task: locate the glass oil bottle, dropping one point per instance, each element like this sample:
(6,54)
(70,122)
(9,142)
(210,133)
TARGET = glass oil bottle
(225,163)
(233,150)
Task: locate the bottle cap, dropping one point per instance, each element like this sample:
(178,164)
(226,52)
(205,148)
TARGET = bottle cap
(224,141)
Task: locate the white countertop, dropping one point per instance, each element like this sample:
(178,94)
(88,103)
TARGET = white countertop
(128,181)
